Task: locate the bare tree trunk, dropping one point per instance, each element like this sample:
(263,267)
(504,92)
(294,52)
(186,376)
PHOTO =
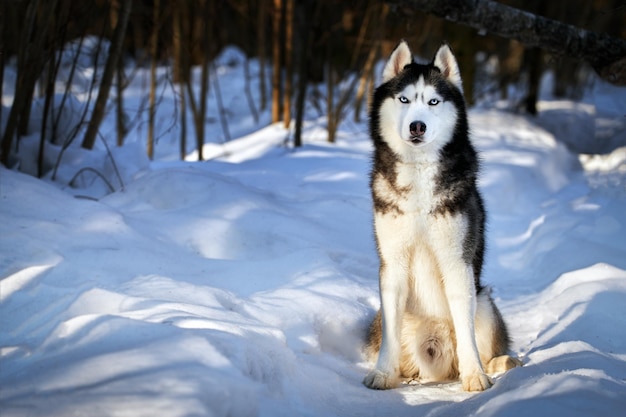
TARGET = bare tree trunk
(276,55)
(532,62)
(336,110)
(380,11)
(303,12)
(3,17)
(120,128)
(154,51)
(68,87)
(42,34)
(120,122)
(567,70)
(330,97)
(115,50)
(606,54)
(199,108)
(221,111)
(249,36)
(183,122)
(179,75)
(120,125)
(92,85)
(246,87)
(50,78)
(204,82)
(367,75)
(333,33)
(466,56)
(59,24)
(288,63)
(510,64)
(261,20)
(30,63)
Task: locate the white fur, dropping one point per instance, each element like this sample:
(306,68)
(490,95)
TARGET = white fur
(424,279)
(428,248)
(396,118)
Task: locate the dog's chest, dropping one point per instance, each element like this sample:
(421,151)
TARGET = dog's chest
(412,190)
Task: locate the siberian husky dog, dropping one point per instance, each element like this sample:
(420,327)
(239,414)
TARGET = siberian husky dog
(436,321)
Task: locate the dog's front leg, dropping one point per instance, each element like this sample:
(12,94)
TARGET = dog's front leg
(460,290)
(461,294)
(393,297)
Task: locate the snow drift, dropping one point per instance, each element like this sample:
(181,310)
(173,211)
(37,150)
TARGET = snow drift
(243,286)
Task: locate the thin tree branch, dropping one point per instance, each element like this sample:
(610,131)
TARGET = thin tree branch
(115,50)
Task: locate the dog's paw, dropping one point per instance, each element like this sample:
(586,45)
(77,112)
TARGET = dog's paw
(501,364)
(377,379)
(476,381)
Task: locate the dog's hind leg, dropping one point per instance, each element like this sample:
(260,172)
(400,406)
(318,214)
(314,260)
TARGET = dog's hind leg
(501,364)
(492,337)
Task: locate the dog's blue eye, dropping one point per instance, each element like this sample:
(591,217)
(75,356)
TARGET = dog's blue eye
(433,102)
(403,99)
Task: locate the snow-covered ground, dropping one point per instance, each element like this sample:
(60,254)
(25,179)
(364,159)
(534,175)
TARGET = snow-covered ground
(244,285)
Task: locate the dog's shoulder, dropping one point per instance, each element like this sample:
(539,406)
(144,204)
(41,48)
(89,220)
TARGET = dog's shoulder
(456,181)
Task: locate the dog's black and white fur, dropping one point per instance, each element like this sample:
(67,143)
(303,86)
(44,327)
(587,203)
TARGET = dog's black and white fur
(436,321)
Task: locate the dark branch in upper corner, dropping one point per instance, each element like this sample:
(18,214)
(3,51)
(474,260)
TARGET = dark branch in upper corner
(606,54)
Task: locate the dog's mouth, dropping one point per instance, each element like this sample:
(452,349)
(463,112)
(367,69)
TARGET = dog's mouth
(416,139)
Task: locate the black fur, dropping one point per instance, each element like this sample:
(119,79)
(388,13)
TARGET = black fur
(458,161)
(454,187)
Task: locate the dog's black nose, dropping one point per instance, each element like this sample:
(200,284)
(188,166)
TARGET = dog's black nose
(417,128)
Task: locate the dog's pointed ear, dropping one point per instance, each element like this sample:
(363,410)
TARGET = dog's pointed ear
(446,62)
(400,57)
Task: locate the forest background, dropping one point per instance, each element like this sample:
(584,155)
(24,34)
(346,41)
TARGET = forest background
(326,50)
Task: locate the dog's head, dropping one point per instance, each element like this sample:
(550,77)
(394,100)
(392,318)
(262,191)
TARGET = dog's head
(419,105)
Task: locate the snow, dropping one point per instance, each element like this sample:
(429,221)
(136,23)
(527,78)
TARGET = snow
(244,285)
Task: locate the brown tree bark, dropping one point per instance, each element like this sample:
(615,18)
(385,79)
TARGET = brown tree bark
(367,75)
(120,123)
(154,51)
(59,24)
(288,63)
(276,58)
(3,18)
(30,64)
(199,106)
(115,51)
(380,11)
(179,74)
(606,54)
(204,82)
